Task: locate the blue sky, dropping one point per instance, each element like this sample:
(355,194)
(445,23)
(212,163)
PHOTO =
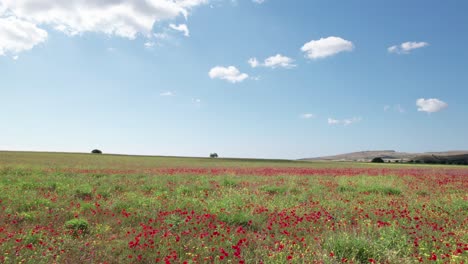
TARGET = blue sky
(159,77)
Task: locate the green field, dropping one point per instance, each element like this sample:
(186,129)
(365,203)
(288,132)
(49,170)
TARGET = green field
(84,208)
(80,160)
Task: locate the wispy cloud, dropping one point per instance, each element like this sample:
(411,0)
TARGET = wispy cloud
(308,116)
(397,108)
(345,122)
(182,28)
(168,93)
(253,62)
(407,47)
(149,44)
(196,101)
(161,35)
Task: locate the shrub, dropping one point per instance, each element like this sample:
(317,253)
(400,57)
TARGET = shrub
(238,218)
(77,226)
(96,151)
(358,249)
(229,183)
(346,189)
(84,192)
(273,189)
(391,245)
(382,190)
(377,160)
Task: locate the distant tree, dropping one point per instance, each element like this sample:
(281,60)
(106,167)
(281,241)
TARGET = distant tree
(96,151)
(213,155)
(377,160)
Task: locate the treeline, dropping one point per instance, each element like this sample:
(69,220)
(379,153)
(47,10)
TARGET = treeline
(429,159)
(442,162)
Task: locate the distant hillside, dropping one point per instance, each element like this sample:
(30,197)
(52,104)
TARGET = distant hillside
(394,155)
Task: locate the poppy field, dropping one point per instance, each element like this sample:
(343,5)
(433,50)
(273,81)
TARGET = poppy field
(77,208)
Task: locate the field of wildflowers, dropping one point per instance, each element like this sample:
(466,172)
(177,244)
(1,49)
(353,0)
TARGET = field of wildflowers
(64,208)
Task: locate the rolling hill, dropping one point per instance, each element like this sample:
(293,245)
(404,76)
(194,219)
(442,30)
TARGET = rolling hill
(428,157)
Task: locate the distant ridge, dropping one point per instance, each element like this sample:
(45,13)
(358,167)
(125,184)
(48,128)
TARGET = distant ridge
(391,155)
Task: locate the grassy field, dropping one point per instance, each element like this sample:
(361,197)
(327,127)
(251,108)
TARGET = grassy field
(83,208)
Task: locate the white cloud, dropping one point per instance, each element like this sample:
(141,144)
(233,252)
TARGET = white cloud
(253,62)
(308,116)
(277,61)
(386,108)
(196,101)
(230,74)
(168,93)
(182,28)
(258,1)
(149,44)
(124,18)
(161,36)
(325,47)
(430,105)
(345,122)
(332,121)
(190,3)
(17,35)
(407,47)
